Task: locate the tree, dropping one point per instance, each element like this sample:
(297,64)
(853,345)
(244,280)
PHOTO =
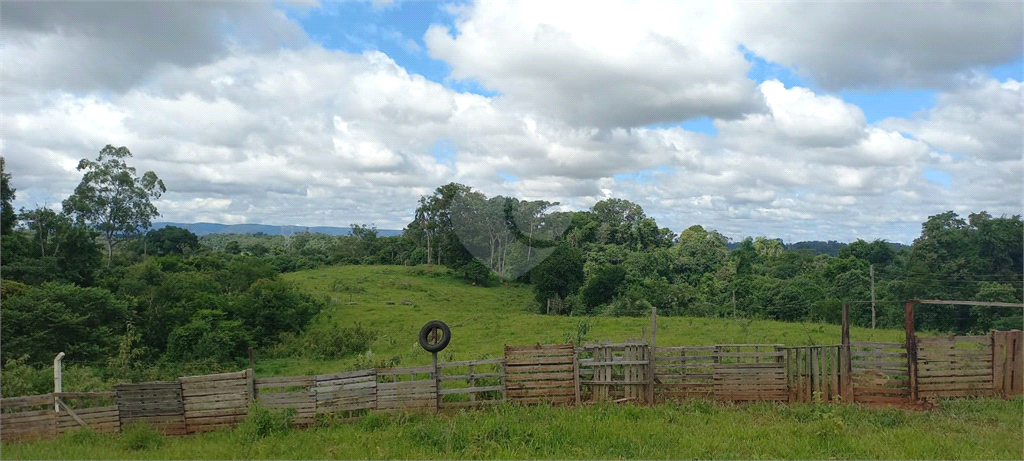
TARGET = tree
(171,240)
(7,218)
(112,199)
(558,276)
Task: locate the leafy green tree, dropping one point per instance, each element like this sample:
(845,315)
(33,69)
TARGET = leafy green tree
(112,199)
(209,337)
(602,286)
(271,307)
(7,217)
(41,321)
(558,276)
(878,252)
(170,240)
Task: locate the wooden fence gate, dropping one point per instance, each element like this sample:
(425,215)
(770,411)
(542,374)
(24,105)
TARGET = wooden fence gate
(954,366)
(880,372)
(616,371)
(541,373)
(158,404)
(750,372)
(812,373)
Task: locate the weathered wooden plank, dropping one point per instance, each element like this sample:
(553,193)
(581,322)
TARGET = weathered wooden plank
(470,362)
(957,393)
(405,371)
(765,354)
(469,390)
(540,348)
(192,416)
(406,385)
(348,380)
(541,393)
(189,394)
(511,363)
(274,399)
(26,401)
(285,381)
(199,406)
(938,373)
(553,376)
(87,395)
(358,393)
(876,345)
(353,386)
(537,384)
(214,377)
(880,391)
(472,376)
(878,364)
(347,374)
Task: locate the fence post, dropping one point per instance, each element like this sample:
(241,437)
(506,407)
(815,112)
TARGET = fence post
(911,345)
(57,380)
(575,373)
(650,357)
(846,366)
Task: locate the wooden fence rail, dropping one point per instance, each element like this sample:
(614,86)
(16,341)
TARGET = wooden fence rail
(881,373)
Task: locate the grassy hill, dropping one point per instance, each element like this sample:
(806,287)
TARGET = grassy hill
(396,301)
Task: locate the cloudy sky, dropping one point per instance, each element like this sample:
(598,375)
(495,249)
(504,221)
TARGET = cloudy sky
(798,120)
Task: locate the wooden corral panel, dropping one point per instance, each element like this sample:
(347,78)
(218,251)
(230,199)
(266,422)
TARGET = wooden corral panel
(954,366)
(289,392)
(1008,362)
(215,401)
(750,372)
(880,374)
(684,372)
(615,371)
(541,373)
(95,410)
(157,404)
(27,418)
(472,383)
(412,388)
(346,392)
(812,373)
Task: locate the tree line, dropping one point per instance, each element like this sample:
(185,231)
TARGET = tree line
(93,279)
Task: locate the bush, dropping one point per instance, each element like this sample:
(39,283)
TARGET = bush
(263,422)
(326,343)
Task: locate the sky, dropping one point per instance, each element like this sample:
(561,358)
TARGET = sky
(793,120)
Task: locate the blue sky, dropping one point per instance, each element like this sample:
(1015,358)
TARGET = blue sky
(799,120)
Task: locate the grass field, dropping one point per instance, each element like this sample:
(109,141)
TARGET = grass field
(483,320)
(962,429)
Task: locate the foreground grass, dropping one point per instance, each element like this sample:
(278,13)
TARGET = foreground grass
(963,429)
(483,320)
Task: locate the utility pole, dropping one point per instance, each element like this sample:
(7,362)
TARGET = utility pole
(872,269)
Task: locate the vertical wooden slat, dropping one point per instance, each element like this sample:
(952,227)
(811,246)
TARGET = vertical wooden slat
(999,363)
(1017,377)
(576,375)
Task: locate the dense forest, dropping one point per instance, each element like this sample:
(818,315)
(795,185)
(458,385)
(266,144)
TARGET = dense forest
(135,303)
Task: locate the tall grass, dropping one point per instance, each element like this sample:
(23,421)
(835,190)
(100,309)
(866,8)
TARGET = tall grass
(963,429)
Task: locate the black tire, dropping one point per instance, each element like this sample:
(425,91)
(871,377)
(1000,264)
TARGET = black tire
(446,336)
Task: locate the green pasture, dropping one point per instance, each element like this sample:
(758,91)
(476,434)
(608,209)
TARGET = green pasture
(960,429)
(396,301)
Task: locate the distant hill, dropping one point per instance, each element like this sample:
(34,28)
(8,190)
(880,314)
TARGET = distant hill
(830,247)
(205,228)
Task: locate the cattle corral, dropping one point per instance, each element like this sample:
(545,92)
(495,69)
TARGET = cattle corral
(875,373)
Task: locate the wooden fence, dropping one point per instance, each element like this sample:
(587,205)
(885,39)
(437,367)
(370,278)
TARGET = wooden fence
(541,373)
(812,373)
(880,373)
